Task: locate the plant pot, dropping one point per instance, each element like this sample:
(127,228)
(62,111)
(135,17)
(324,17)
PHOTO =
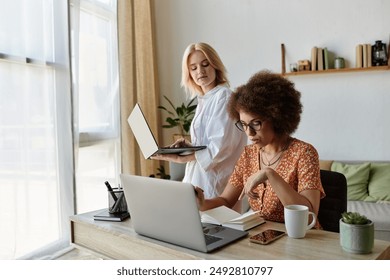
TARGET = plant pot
(357,239)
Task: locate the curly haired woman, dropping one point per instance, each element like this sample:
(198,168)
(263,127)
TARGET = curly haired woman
(277,169)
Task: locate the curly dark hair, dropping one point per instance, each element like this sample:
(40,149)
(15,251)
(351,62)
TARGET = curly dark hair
(271,97)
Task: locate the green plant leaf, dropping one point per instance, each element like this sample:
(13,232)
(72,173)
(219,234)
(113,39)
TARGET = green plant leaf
(354,218)
(165,109)
(180,111)
(162,173)
(169,101)
(186,127)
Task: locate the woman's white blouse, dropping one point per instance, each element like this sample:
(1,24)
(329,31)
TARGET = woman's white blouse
(213,127)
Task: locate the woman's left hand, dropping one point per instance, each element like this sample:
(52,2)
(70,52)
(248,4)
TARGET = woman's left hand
(174,157)
(199,197)
(252,182)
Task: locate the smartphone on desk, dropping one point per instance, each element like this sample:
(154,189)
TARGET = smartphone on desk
(266,236)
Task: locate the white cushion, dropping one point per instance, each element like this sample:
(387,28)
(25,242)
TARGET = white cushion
(379,213)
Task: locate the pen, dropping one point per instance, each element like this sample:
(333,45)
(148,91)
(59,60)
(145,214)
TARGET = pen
(110,190)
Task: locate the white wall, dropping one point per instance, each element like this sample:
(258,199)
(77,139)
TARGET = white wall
(345,115)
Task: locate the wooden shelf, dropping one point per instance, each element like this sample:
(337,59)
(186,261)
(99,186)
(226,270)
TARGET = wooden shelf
(343,70)
(331,71)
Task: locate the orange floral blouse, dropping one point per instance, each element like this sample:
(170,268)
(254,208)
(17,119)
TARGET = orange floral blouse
(299,167)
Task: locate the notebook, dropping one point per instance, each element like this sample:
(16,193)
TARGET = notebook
(147,141)
(166,210)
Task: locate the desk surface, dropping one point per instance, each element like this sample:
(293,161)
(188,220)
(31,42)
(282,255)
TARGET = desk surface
(118,240)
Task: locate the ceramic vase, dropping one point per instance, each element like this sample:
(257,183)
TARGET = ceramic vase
(358,239)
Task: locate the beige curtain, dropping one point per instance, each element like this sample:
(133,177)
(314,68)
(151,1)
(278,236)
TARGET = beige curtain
(138,79)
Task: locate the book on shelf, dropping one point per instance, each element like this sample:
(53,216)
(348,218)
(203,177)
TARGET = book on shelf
(105,215)
(326,59)
(320,59)
(329,57)
(227,217)
(369,55)
(314,59)
(359,56)
(365,55)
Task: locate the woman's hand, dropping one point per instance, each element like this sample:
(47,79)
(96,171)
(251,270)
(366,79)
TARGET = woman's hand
(252,182)
(175,157)
(180,143)
(199,197)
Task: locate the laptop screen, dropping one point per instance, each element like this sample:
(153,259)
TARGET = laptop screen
(142,132)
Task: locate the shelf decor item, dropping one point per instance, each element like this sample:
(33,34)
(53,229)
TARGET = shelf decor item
(293,67)
(339,63)
(356,233)
(379,55)
(303,65)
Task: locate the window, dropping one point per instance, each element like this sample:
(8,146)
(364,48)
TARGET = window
(96,100)
(36,159)
(54,140)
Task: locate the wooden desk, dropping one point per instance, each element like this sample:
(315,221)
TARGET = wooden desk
(118,240)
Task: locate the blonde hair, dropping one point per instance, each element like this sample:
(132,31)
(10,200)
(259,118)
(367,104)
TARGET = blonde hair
(212,56)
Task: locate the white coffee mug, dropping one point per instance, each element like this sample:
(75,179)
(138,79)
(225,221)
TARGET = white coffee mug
(296,219)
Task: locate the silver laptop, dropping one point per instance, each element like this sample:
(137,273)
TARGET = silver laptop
(166,210)
(147,141)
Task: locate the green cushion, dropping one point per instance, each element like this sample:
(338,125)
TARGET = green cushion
(357,176)
(379,182)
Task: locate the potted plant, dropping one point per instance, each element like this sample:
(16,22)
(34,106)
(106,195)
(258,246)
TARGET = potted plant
(180,116)
(356,233)
(161,173)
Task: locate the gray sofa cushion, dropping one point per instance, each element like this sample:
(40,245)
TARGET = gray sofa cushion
(379,213)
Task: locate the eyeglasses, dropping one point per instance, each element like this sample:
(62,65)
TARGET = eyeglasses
(254,125)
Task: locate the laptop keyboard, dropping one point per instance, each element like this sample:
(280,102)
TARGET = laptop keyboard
(209,230)
(211,239)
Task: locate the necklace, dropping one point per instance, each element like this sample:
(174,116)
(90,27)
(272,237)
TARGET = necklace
(272,161)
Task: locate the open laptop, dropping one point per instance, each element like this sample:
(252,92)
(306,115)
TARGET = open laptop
(146,140)
(166,210)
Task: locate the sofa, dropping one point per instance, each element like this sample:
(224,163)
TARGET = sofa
(368,191)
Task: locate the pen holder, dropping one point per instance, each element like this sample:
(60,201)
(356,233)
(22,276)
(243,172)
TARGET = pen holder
(117,201)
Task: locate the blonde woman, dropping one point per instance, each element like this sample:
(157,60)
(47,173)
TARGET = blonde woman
(204,76)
